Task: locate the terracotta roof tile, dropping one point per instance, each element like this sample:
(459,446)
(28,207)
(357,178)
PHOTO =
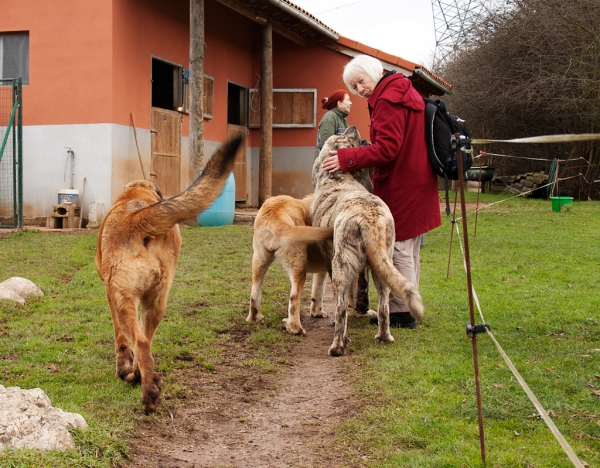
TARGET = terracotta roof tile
(389,58)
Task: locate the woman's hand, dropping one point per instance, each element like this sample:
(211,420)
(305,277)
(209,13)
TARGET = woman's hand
(332,163)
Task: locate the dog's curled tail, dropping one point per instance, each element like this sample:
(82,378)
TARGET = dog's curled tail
(162,216)
(386,271)
(307,234)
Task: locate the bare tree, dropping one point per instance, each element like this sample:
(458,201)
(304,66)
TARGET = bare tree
(533,68)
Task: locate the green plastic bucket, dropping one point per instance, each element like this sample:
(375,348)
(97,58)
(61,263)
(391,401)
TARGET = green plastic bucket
(561,203)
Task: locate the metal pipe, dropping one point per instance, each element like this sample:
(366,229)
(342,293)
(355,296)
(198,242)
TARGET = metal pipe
(305,19)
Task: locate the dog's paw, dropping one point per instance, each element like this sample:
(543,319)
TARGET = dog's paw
(293,328)
(129,376)
(151,394)
(254,317)
(318,313)
(385,338)
(339,349)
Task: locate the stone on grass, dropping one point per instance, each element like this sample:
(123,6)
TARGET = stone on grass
(28,420)
(18,289)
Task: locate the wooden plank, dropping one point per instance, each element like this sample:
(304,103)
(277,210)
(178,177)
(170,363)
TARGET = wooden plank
(283,108)
(265,168)
(166,150)
(292,108)
(303,108)
(196,89)
(239,167)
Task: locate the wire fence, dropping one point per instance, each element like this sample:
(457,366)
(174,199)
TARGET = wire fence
(11,176)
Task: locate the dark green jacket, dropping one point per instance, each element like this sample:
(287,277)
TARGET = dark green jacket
(330,124)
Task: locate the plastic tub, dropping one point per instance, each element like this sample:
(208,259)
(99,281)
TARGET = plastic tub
(487,173)
(222,211)
(561,203)
(67,196)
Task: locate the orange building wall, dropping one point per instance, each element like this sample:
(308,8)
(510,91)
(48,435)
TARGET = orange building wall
(141,30)
(228,56)
(69,57)
(230,39)
(90,62)
(311,66)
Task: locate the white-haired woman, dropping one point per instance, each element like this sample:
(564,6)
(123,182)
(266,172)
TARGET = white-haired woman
(402,175)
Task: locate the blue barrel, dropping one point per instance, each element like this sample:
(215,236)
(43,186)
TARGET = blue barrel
(222,211)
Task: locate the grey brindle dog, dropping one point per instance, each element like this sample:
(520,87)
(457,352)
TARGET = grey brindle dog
(363,234)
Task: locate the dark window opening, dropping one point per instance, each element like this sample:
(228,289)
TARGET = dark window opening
(237,107)
(167,85)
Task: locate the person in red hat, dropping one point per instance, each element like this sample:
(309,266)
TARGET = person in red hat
(334,121)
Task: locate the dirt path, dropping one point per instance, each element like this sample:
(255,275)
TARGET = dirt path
(238,418)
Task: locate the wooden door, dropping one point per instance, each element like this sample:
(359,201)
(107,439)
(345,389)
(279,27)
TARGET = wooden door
(239,168)
(166,150)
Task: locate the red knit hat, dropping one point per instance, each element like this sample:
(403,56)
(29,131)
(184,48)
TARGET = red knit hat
(331,101)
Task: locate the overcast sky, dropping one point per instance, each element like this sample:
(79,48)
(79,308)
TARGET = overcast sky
(400,27)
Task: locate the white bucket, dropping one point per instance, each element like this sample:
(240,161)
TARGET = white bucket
(67,196)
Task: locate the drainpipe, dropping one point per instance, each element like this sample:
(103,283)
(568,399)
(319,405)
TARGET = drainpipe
(305,19)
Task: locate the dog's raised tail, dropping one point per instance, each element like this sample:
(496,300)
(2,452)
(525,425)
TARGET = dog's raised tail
(386,271)
(307,234)
(160,217)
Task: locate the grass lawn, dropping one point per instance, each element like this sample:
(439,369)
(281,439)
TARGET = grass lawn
(537,276)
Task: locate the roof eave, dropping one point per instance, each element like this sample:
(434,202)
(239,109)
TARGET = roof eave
(299,14)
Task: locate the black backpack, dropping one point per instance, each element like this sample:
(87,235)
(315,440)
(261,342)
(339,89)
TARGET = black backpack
(440,127)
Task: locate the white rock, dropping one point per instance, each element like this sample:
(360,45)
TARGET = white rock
(18,289)
(28,420)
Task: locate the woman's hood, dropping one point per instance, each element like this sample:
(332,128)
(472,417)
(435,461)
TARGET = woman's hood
(398,89)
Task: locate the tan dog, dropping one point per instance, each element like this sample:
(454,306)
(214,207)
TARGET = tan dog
(136,258)
(282,230)
(363,235)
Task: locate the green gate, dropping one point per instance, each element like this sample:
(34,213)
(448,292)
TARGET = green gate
(11,154)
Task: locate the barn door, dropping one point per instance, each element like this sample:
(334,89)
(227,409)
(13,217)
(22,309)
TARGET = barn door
(239,168)
(166,150)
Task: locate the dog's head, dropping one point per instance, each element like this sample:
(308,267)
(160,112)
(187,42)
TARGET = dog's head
(144,184)
(349,139)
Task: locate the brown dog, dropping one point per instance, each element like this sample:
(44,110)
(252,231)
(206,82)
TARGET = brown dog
(282,230)
(136,258)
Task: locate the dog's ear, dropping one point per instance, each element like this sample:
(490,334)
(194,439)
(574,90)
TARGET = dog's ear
(352,134)
(157,190)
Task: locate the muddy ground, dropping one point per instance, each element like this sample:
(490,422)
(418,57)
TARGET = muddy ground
(236,417)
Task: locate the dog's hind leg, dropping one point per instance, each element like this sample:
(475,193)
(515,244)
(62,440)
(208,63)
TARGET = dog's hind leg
(344,270)
(316,301)
(261,260)
(123,351)
(383,311)
(340,337)
(127,327)
(297,274)
(154,305)
(362,294)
